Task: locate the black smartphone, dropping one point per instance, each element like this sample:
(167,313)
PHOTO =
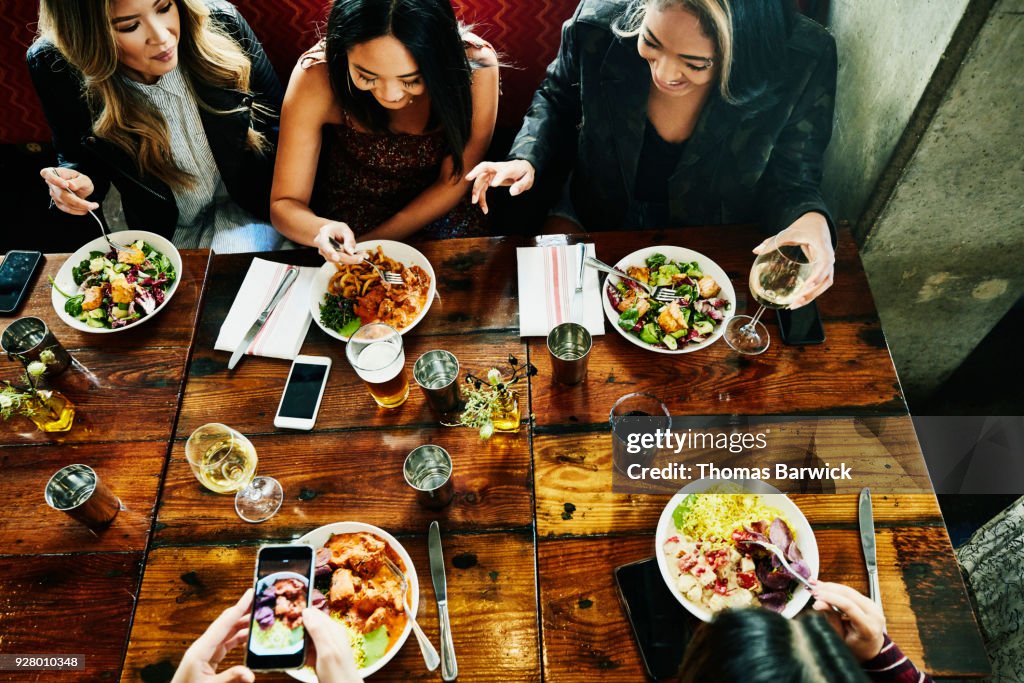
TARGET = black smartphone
(661,625)
(800,325)
(16,273)
(277,639)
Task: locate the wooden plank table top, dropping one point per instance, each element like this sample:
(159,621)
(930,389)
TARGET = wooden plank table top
(535,528)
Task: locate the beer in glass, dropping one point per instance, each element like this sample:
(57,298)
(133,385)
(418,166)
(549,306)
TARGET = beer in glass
(377,354)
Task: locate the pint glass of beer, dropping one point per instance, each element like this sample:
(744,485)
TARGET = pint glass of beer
(376,353)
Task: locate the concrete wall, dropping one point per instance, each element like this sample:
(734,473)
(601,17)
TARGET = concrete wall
(888,50)
(945,257)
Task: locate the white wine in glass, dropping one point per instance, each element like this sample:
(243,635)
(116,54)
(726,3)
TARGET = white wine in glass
(776,279)
(224,461)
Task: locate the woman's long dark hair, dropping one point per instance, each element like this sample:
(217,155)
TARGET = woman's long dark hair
(431,33)
(760,646)
(760,30)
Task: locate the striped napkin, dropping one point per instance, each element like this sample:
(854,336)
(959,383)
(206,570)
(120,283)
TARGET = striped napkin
(285,330)
(547,282)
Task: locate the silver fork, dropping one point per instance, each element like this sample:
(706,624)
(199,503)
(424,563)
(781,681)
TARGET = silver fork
(777,551)
(430,656)
(388,276)
(113,245)
(663,294)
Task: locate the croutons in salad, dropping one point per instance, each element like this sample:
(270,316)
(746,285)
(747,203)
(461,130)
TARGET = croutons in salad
(117,288)
(689,319)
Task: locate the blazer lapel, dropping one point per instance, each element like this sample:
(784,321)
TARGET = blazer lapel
(625,84)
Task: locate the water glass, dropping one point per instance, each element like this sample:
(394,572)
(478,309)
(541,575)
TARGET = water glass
(378,357)
(78,491)
(428,469)
(437,374)
(632,416)
(27,338)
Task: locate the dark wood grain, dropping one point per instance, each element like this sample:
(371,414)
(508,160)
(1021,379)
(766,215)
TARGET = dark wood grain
(330,477)
(173,325)
(122,396)
(491,592)
(850,373)
(586,636)
(68,604)
(247,397)
(30,527)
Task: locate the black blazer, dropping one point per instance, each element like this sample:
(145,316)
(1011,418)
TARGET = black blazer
(148,202)
(757,164)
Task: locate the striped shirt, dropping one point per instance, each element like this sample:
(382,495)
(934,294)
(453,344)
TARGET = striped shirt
(890,665)
(207,216)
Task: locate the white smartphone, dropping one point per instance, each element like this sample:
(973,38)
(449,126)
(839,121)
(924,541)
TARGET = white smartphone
(303,392)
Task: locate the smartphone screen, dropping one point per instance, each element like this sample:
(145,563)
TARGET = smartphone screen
(661,625)
(303,391)
(801,325)
(15,273)
(276,635)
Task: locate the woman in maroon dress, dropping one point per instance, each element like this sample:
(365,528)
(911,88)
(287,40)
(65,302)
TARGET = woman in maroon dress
(380,122)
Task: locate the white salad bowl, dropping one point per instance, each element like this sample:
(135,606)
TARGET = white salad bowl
(803,535)
(678,254)
(66,281)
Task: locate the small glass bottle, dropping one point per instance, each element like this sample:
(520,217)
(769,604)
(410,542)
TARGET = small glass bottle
(53,411)
(505,412)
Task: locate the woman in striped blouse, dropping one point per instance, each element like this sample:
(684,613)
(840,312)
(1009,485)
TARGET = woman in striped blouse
(760,646)
(172,101)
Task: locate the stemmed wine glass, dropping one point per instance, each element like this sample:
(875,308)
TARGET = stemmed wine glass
(776,279)
(224,461)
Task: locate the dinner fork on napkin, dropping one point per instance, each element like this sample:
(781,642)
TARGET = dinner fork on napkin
(547,285)
(285,330)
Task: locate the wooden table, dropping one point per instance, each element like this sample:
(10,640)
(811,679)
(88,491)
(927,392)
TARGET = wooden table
(534,531)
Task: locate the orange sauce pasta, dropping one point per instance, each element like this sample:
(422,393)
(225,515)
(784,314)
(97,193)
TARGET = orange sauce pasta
(377,301)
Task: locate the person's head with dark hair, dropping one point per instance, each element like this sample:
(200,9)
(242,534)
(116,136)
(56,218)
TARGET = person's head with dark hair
(383,54)
(737,45)
(761,646)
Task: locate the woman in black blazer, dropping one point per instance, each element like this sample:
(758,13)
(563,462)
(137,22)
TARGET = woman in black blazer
(684,112)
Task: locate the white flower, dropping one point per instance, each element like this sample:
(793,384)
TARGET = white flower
(47,357)
(493,376)
(45,394)
(487,430)
(5,402)
(36,368)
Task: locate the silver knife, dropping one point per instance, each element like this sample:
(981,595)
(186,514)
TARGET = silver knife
(867,543)
(449,667)
(576,311)
(290,273)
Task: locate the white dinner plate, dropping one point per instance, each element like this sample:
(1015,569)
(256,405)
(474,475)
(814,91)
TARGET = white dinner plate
(803,535)
(66,281)
(678,254)
(403,253)
(317,537)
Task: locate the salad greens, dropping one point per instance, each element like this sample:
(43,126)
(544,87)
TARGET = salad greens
(689,319)
(338,314)
(116,289)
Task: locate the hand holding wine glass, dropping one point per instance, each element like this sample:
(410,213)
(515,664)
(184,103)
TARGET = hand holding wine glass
(224,461)
(777,279)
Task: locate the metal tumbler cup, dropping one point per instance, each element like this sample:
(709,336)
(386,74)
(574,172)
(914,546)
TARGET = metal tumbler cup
(569,345)
(27,338)
(437,374)
(78,491)
(428,469)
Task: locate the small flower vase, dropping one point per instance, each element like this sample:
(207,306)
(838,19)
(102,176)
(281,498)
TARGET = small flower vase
(52,411)
(505,412)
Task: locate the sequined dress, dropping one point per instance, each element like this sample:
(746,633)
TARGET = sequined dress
(365,178)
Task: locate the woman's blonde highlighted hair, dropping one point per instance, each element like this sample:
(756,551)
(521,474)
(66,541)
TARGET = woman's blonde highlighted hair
(82,32)
(715,22)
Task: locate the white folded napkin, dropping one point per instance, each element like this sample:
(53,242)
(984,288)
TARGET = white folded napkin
(547,283)
(283,333)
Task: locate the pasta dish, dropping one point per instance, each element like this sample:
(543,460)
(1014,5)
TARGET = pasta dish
(358,291)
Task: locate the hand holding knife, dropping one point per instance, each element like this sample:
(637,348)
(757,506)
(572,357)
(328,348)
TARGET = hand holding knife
(865,517)
(290,273)
(449,667)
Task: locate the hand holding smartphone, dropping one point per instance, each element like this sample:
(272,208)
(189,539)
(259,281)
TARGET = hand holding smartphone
(282,588)
(303,392)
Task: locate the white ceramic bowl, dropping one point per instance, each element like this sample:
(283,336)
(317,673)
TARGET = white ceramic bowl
(317,537)
(679,254)
(802,533)
(403,253)
(66,282)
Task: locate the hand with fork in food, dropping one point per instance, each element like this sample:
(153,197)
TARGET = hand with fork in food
(69,190)
(334,235)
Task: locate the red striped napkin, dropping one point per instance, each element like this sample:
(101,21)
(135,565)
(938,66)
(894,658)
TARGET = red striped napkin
(285,330)
(547,283)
